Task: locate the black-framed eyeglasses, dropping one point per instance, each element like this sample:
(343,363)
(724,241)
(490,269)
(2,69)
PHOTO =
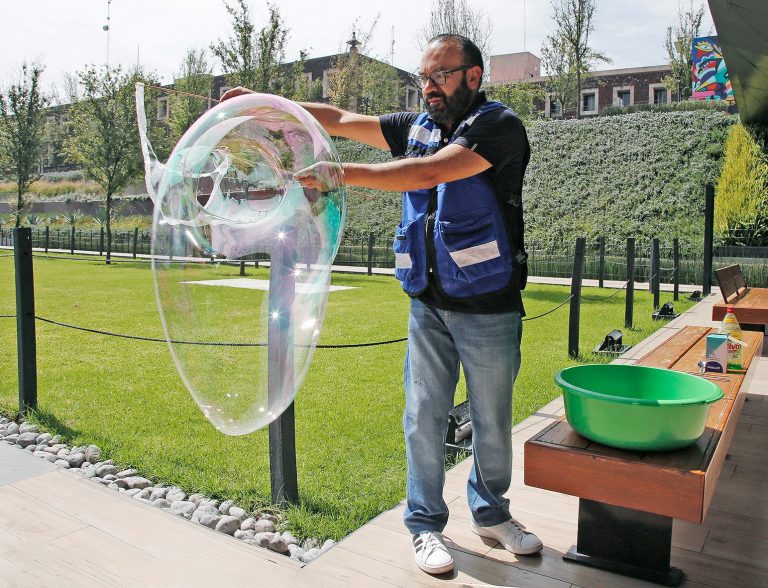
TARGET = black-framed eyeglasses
(439,77)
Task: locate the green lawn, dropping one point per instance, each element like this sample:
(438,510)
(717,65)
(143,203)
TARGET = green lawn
(126,396)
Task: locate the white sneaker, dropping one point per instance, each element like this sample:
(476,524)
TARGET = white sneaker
(512,535)
(431,554)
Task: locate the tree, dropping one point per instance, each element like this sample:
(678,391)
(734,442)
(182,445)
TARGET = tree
(561,85)
(21,129)
(361,82)
(104,138)
(573,19)
(255,60)
(678,44)
(520,97)
(194,79)
(456,17)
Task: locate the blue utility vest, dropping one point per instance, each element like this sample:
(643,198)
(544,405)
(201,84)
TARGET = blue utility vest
(456,230)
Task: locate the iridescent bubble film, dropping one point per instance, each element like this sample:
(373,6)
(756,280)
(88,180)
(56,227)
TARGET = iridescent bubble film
(227,195)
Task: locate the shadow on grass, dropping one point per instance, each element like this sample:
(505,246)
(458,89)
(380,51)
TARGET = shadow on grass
(53,425)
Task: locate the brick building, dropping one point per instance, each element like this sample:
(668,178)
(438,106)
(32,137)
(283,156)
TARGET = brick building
(600,89)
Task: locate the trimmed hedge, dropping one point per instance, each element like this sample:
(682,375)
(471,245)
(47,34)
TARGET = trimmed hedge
(638,175)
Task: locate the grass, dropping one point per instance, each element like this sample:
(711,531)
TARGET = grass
(126,396)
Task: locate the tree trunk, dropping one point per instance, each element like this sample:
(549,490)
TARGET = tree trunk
(19,206)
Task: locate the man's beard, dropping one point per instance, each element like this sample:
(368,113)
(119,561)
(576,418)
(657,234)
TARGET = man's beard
(447,112)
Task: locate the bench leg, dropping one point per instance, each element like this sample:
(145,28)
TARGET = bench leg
(625,541)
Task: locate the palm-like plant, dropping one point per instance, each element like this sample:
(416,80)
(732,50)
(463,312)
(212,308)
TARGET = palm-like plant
(34,219)
(70,217)
(101,217)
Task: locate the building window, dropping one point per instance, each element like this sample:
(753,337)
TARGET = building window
(658,94)
(552,108)
(624,96)
(327,74)
(589,101)
(162,108)
(411,98)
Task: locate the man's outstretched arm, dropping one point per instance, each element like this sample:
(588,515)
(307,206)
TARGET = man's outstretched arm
(454,162)
(339,123)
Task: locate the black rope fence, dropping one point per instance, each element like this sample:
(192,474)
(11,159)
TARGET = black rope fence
(563,303)
(600,298)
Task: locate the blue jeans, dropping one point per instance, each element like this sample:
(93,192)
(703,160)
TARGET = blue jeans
(488,348)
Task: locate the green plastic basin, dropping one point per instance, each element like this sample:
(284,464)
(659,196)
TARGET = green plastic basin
(636,407)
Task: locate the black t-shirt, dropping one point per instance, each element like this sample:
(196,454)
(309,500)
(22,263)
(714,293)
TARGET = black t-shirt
(500,138)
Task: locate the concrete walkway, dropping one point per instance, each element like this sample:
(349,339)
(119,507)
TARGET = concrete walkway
(57,529)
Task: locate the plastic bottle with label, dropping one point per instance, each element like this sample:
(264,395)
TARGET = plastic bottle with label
(730,326)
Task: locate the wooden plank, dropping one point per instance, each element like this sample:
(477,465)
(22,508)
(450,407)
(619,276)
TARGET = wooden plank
(676,346)
(750,309)
(630,484)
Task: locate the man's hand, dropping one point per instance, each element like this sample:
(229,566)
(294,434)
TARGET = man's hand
(324,176)
(232,92)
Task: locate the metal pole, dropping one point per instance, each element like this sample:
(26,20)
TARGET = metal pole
(601,268)
(135,241)
(630,298)
(47,237)
(370,254)
(242,268)
(282,431)
(676,271)
(709,225)
(25,319)
(72,240)
(655,271)
(101,241)
(573,320)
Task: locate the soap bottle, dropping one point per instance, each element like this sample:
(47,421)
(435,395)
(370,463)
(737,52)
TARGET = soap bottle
(730,326)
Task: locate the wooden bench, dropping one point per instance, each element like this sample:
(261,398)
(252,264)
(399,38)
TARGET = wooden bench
(750,305)
(628,499)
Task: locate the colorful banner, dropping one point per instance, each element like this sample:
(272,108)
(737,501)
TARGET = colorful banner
(710,76)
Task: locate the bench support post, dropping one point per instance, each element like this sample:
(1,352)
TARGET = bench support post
(644,549)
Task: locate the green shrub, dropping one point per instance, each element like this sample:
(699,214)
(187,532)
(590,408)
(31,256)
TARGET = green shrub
(741,203)
(683,106)
(638,175)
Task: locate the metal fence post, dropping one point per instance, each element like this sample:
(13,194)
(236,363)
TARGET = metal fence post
(101,241)
(573,319)
(676,270)
(370,254)
(135,241)
(709,225)
(601,266)
(72,240)
(47,237)
(654,286)
(282,431)
(630,298)
(25,319)
(242,268)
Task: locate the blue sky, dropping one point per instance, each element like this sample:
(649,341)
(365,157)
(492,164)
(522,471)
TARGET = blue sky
(67,35)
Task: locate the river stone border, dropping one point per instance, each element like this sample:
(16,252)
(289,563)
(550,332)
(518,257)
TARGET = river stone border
(225,517)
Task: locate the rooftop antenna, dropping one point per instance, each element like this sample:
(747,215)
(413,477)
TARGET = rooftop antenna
(105,28)
(392,48)
(523,26)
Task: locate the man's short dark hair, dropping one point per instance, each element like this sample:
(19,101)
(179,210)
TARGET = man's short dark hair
(472,55)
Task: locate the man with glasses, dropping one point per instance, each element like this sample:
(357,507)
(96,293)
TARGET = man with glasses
(460,256)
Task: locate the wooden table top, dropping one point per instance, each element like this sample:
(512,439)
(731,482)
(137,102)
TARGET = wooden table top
(750,309)
(676,483)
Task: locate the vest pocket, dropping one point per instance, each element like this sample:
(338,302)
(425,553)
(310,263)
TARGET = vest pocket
(410,260)
(470,258)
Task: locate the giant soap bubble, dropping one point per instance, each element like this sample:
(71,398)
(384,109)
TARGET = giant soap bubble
(227,195)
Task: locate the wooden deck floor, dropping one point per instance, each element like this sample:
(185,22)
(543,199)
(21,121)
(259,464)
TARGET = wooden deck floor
(59,530)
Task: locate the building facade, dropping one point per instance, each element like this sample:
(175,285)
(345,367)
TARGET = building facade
(600,89)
